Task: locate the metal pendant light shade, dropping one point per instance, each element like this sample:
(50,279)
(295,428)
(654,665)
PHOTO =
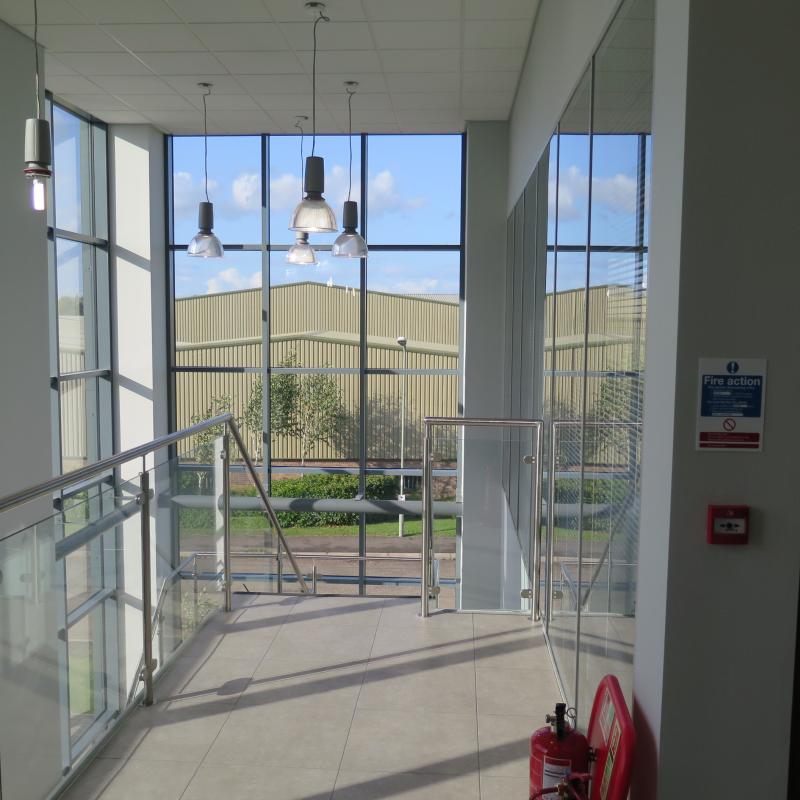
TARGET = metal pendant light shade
(313,214)
(349,243)
(301,252)
(204,243)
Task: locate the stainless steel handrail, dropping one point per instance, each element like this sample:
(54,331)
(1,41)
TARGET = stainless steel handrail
(77,476)
(427,500)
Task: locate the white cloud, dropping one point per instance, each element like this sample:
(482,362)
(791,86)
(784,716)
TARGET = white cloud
(384,197)
(230,279)
(616,194)
(247,191)
(284,192)
(188,192)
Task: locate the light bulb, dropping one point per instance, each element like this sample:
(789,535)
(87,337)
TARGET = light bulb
(301,252)
(38,194)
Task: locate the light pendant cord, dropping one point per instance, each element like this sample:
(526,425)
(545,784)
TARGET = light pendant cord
(319,19)
(350,94)
(302,160)
(36,55)
(205,140)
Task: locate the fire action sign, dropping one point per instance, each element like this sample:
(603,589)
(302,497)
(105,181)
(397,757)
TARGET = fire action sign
(730,413)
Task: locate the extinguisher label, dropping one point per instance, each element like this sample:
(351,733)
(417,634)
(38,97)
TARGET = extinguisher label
(608,770)
(554,771)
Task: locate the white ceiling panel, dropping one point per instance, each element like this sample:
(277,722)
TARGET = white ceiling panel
(399,10)
(124,117)
(215,11)
(434,62)
(73,38)
(240,36)
(155,38)
(102,63)
(500,9)
(493,59)
(294,10)
(156,102)
(416,36)
(132,84)
(281,63)
(497,33)
(184,64)
(330,36)
(111,11)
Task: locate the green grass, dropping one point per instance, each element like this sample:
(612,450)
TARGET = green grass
(255,526)
(81,684)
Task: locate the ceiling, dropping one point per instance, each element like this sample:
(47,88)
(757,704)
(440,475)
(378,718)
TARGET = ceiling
(422,65)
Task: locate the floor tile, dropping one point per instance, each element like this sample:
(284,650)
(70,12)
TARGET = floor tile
(530,692)
(411,741)
(323,642)
(430,684)
(133,780)
(215,781)
(311,739)
(505,744)
(494,788)
(512,649)
(405,786)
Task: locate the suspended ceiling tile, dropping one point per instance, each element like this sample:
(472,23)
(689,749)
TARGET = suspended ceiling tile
(497,33)
(425,100)
(132,84)
(155,38)
(425,126)
(73,38)
(330,36)
(500,9)
(123,117)
(276,84)
(222,102)
(281,63)
(423,10)
(424,82)
(95,103)
(490,81)
(156,102)
(300,104)
(294,10)
(73,84)
(112,11)
(331,84)
(338,61)
(489,100)
(54,66)
(365,116)
(420,60)
(215,11)
(102,63)
(177,121)
(416,35)
(184,64)
(240,36)
(51,12)
(361,100)
(493,59)
(246,120)
(223,84)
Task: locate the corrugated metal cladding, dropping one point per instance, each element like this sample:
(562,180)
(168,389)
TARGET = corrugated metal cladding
(315,325)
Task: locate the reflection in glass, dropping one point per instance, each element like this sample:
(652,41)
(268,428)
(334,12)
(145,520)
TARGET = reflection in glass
(71,160)
(87,666)
(75,306)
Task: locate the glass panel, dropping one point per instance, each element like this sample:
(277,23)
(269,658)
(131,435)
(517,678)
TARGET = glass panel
(314,420)
(71,162)
(314,313)
(79,423)
(218,310)
(86,660)
(413,296)
(414,192)
(76,307)
(286,181)
(234,187)
(615,192)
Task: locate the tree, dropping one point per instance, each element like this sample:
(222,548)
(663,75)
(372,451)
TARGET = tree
(204,441)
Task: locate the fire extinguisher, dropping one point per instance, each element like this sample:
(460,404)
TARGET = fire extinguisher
(556,751)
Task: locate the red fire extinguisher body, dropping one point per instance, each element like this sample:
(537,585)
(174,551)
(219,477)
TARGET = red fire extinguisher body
(556,751)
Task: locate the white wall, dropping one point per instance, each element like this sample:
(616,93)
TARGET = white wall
(716,625)
(565,34)
(30,747)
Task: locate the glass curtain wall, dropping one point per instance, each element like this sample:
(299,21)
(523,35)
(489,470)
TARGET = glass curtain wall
(353,353)
(595,312)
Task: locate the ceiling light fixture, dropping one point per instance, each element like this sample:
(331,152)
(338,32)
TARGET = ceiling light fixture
(301,252)
(37,135)
(350,244)
(205,244)
(313,214)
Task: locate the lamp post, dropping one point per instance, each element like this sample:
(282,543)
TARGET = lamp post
(403,342)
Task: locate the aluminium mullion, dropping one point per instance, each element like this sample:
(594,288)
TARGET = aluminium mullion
(362,383)
(266,341)
(81,238)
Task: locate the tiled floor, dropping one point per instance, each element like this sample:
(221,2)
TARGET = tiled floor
(330,697)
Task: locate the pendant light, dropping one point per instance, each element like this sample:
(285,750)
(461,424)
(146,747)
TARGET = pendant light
(350,244)
(37,136)
(301,252)
(205,244)
(313,214)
